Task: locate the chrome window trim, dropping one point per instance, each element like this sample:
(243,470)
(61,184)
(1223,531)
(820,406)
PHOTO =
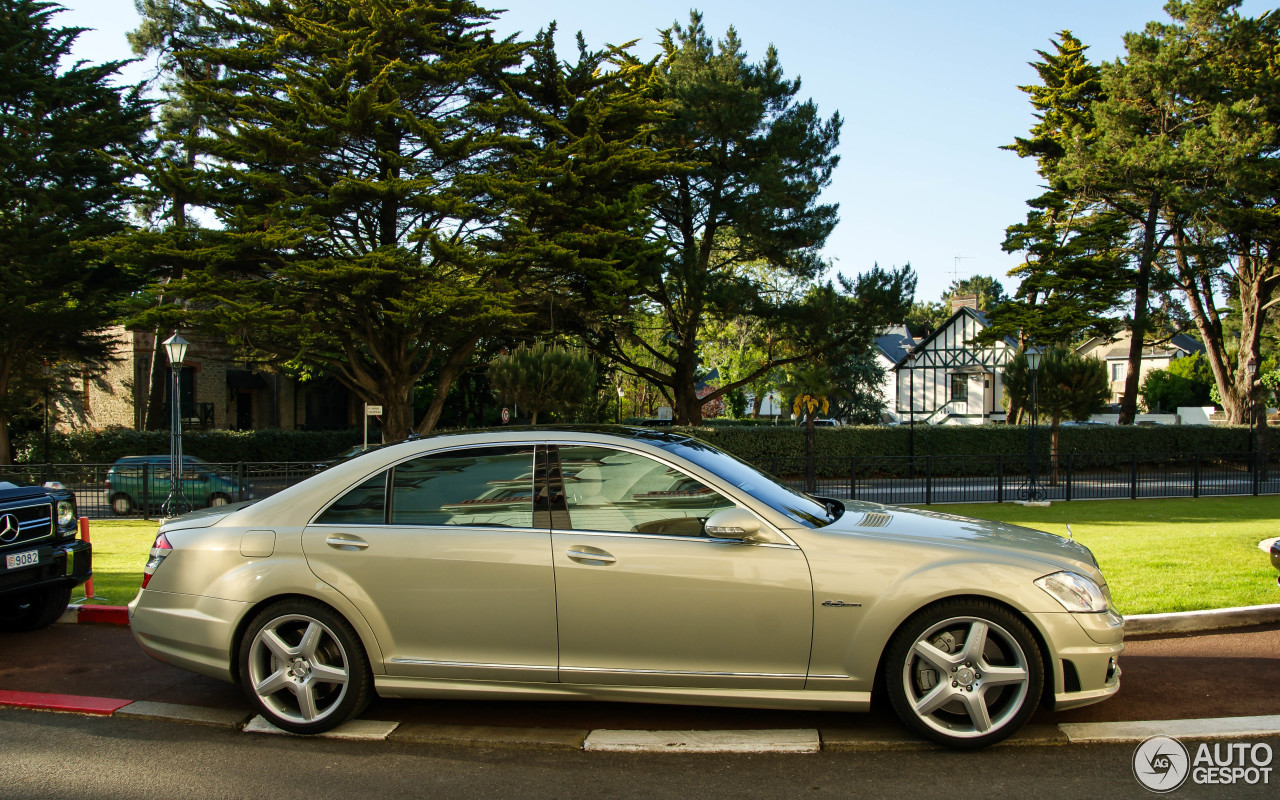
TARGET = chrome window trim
(670,538)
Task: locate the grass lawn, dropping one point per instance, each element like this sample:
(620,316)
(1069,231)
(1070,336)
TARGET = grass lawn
(120,550)
(1158,555)
(1164,555)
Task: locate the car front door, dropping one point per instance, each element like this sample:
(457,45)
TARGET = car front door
(441,556)
(645,597)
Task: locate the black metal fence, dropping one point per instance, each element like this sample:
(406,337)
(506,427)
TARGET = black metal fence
(104,490)
(1003,479)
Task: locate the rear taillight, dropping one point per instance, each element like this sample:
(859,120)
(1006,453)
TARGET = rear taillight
(159,550)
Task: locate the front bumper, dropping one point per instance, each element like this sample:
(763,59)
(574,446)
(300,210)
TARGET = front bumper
(69,563)
(1085,651)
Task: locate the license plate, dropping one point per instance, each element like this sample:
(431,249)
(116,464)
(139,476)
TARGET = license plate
(27,559)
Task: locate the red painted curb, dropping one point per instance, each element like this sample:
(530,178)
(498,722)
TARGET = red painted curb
(104,706)
(105,615)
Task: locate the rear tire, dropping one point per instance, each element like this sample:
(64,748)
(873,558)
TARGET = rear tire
(219,499)
(303,667)
(34,610)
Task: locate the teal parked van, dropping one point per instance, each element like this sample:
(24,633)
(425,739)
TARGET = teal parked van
(202,484)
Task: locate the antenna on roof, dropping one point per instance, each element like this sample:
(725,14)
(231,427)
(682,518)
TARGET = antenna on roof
(955,269)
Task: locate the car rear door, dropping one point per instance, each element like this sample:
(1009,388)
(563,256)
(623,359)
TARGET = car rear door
(441,556)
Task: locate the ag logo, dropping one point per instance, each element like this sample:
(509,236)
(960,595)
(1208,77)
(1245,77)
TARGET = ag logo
(1161,764)
(8,528)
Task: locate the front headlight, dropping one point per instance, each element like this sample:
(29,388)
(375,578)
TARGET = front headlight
(1075,592)
(66,513)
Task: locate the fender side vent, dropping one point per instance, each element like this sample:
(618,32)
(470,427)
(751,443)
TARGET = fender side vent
(873,519)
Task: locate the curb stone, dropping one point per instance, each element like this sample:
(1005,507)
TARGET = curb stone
(872,738)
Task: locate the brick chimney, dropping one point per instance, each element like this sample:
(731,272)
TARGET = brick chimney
(964,300)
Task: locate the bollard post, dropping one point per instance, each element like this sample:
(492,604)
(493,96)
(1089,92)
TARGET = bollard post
(84,537)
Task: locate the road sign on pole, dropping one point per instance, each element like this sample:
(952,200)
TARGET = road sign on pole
(506,416)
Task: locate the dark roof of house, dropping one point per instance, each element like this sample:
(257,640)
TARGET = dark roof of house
(1182,343)
(895,342)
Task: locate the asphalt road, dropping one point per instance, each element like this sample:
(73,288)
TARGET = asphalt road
(53,756)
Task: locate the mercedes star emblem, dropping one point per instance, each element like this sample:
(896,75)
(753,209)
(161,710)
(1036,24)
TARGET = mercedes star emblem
(8,528)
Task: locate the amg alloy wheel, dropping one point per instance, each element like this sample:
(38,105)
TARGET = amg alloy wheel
(964,674)
(302,665)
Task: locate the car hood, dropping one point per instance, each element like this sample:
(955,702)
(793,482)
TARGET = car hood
(932,527)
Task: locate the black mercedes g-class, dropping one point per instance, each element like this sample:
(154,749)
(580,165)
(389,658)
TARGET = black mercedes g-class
(41,560)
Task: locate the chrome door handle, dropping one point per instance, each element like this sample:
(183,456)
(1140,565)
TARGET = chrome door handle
(583,555)
(341,543)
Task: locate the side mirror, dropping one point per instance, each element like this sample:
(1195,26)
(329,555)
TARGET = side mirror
(732,523)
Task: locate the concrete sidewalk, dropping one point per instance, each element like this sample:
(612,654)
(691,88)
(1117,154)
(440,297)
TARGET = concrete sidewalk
(99,669)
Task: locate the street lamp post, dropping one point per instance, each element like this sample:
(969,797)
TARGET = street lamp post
(617,414)
(1033,492)
(46,369)
(176,503)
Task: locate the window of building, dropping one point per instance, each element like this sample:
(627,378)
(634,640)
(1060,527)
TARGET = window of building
(959,387)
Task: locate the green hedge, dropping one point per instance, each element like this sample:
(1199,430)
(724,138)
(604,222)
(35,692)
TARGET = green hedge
(105,446)
(785,442)
(756,443)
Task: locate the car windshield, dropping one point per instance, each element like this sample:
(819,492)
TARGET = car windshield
(798,506)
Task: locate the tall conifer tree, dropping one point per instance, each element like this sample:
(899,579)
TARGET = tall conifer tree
(65,131)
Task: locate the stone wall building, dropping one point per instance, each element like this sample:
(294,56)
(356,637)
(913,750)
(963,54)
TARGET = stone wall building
(216,391)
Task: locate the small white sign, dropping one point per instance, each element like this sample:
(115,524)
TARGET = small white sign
(664,412)
(372,411)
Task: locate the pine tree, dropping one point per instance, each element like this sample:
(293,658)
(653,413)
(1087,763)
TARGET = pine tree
(748,164)
(1074,271)
(395,186)
(65,132)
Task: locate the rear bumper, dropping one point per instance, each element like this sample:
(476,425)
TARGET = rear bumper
(187,631)
(70,564)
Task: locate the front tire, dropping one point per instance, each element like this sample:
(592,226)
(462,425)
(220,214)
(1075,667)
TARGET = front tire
(219,499)
(34,610)
(302,666)
(966,674)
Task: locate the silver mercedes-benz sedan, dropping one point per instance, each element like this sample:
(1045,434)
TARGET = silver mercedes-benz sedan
(623,565)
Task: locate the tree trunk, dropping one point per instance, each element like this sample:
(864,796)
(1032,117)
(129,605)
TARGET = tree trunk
(757,402)
(5,457)
(1141,299)
(154,419)
(448,374)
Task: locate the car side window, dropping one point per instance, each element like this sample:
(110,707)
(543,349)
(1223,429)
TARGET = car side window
(484,486)
(363,505)
(615,491)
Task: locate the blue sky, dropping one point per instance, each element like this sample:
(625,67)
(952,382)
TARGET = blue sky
(927,89)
